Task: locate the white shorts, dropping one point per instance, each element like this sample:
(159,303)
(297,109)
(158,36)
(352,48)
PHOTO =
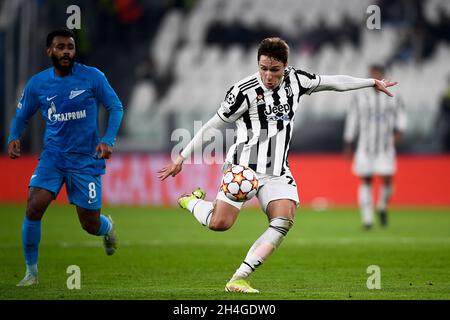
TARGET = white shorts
(383,164)
(270,188)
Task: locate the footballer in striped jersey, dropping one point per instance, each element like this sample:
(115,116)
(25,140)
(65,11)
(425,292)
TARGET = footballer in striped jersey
(263,107)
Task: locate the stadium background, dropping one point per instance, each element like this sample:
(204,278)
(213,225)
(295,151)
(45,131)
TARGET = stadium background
(171,63)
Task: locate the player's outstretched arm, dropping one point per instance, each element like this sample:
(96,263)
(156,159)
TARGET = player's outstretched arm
(14,149)
(346,83)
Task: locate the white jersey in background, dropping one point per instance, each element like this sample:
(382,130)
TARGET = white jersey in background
(373,118)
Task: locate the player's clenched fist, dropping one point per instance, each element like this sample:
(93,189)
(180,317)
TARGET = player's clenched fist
(14,149)
(103,151)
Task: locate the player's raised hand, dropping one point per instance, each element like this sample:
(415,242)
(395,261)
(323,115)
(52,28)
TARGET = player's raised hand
(382,85)
(103,151)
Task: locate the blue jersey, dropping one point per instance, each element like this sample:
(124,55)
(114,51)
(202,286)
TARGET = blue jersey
(70,107)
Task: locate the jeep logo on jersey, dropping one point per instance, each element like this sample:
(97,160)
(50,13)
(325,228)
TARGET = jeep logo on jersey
(279,112)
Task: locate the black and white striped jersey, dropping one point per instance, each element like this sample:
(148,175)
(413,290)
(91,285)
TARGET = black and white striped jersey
(264,119)
(373,117)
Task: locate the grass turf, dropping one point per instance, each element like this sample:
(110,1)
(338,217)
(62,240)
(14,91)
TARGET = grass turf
(165,254)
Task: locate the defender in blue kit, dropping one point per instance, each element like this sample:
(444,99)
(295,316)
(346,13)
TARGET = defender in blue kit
(68,95)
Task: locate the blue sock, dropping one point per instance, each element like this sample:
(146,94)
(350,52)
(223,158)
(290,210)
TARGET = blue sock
(105,226)
(31,236)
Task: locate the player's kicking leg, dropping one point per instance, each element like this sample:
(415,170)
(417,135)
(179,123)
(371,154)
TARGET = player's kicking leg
(38,201)
(281,218)
(278,198)
(223,215)
(217,217)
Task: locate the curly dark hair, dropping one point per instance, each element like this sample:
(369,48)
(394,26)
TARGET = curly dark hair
(59,33)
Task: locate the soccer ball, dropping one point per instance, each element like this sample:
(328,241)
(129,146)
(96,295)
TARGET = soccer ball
(239,183)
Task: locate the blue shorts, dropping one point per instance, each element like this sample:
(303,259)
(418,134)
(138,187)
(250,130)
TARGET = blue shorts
(83,190)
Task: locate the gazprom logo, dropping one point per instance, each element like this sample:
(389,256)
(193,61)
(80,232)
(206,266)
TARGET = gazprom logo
(52,113)
(67,116)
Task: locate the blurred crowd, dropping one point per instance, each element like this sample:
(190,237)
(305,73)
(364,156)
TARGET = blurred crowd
(120,36)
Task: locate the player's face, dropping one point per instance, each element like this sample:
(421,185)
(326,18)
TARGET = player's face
(62,53)
(271,71)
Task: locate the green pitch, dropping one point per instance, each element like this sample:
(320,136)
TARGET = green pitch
(165,254)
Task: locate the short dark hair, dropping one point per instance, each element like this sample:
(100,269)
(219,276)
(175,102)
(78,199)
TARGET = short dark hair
(59,33)
(275,48)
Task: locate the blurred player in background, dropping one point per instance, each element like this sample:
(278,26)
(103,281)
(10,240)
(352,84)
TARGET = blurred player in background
(378,121)
(263,106)
(68,96)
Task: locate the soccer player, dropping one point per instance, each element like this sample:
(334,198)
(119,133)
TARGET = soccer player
(263,106)
(68,96)
(378,121)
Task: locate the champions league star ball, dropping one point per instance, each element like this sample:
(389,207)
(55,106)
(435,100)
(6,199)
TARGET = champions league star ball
(239,183)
